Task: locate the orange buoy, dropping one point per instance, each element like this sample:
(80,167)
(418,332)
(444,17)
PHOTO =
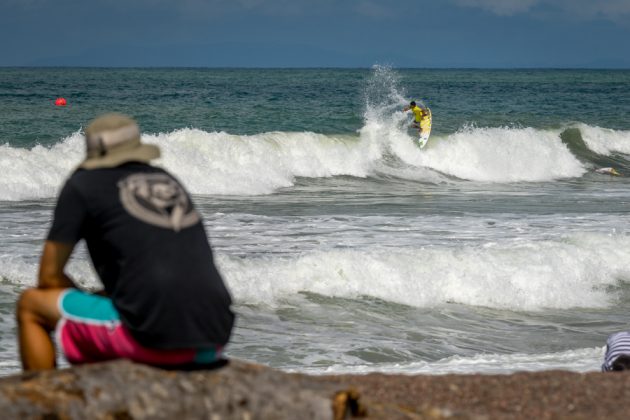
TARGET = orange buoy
(60,102)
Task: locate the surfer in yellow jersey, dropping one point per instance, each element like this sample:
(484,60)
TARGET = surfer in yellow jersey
(421,120)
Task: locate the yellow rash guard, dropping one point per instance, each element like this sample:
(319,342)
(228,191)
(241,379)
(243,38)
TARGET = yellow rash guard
(422,117)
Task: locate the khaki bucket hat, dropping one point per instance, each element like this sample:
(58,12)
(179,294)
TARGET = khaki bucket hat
(113,139)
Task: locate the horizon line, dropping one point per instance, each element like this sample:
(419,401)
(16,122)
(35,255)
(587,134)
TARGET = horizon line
(310,67)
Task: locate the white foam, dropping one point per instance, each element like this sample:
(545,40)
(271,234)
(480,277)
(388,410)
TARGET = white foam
(17,271)
(605,141)
(497,155)
(221,163)
(579,360)
(503,155)
(579,271)
(573,272)
(22,271)
(208,163)
(40,171)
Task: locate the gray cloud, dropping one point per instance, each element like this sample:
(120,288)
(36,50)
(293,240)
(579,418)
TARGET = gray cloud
(216,5)
(373,9)
(609,9)
(500,7)
(583,9)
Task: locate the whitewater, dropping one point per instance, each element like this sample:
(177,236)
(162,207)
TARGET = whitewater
(496,248)
(220,163)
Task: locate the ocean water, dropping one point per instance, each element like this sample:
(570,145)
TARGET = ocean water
(497,248)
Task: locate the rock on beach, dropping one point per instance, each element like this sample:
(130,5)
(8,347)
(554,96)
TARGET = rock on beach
(242,390)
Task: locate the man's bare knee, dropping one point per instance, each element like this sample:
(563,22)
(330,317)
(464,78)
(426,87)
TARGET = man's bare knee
(27,301)
(38,305)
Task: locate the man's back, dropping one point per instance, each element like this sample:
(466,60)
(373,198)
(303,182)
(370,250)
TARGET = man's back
(149,247)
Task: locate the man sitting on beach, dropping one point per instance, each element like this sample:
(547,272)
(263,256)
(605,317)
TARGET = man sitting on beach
(617,352)
(164,302)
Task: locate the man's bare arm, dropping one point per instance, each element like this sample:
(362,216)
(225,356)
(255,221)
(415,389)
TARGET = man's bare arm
(54,258)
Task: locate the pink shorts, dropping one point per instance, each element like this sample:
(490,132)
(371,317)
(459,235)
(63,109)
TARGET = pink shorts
(90,330)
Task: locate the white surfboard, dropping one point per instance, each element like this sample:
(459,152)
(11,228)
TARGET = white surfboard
(424,135)
(424,138)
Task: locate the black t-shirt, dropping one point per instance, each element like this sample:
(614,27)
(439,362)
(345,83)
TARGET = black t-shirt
(150,250)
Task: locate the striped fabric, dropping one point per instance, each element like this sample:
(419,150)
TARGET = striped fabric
(618,344)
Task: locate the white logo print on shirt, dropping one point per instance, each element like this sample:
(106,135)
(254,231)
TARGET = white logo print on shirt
(157,199)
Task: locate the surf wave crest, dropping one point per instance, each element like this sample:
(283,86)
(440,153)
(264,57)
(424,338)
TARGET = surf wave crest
(580,271)
(221,163)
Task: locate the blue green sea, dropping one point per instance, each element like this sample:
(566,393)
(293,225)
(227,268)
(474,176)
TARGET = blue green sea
(498,247)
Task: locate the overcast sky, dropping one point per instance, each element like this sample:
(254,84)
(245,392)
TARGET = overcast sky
(316,33)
